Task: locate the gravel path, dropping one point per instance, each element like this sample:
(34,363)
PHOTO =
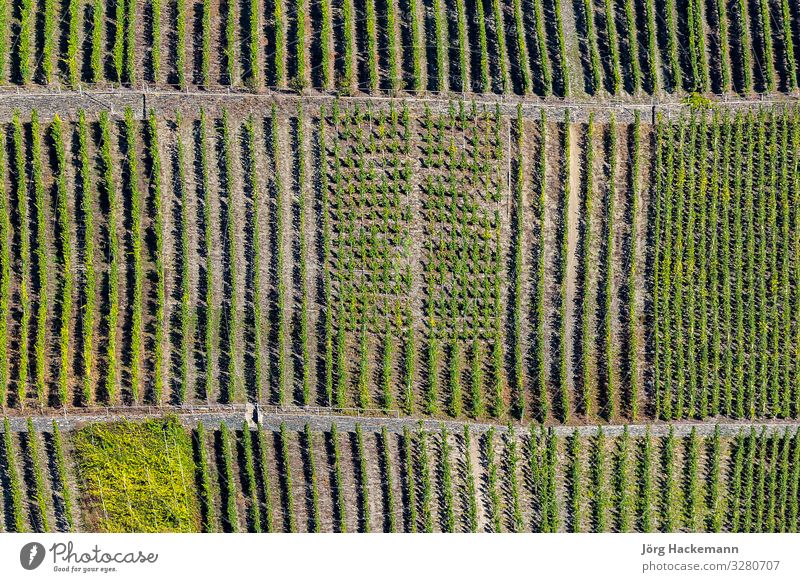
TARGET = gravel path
(68,103)
(296,419)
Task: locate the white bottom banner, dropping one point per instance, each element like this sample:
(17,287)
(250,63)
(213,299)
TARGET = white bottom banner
(406,557)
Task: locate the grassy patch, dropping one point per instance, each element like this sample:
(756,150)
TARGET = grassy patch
(137,477)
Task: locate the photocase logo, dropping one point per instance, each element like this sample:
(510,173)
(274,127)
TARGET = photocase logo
(31,555)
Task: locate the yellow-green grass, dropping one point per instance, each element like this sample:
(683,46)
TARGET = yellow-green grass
(136,477)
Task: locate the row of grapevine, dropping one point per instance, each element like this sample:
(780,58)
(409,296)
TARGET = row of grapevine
(583,377)
(607,358)
(182,280)
(88,307)
(517,261)
(12,490)
(65,251)
(302,323)
(280,307)
(229,357)
(131,190)
(41,262)
(5,277)
(584,380)
(562,405)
